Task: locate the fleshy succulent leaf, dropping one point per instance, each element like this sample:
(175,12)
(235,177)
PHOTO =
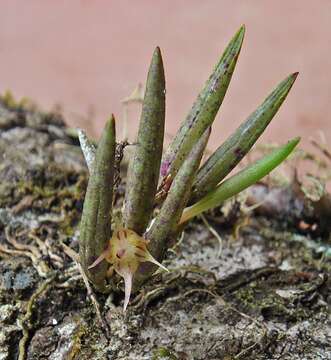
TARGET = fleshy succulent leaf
(144,166)
(240,181)
(229,154)
(95,228)
(177,197)
(171,210)
(138,244)
(204,109)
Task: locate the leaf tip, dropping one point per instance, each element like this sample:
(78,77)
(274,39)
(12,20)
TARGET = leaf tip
(157,50)
(112,119)
(110,124)
(295,141)
(238,39)
(157,56)
(241,33)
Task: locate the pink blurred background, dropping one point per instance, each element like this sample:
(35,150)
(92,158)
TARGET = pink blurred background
(88,55)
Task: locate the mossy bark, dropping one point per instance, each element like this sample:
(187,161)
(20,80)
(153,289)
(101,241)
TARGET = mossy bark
(265,296)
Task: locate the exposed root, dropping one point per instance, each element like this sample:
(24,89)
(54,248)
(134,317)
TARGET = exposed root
(142,300)
(147,297)
(69,276)
(75,257)
(29,251)
(243,353)
(241,224)
(25,323)
(215,233)
(178,243)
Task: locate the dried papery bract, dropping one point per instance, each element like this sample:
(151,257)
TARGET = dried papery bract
(88,149)
(95,227)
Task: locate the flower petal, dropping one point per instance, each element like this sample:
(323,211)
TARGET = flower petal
(149,257)
(127,275)
(99,259)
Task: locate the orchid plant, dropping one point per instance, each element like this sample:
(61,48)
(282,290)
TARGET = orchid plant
(165,191)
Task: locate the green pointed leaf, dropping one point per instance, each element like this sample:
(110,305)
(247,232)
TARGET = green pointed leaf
(171,210)
(204,109)
(95,227)
(229,154)
(240,181)
(144,166)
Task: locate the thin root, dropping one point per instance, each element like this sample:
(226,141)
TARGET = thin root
(215,233)
(25,323)
(75,257)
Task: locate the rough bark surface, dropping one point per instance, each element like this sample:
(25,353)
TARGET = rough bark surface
(265,295)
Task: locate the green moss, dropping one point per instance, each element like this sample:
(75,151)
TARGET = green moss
(6,194)
(8,100)
(163,353)
(80,332)
(278,297)
(56,192)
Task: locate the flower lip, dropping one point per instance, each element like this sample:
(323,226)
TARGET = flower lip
(120,253)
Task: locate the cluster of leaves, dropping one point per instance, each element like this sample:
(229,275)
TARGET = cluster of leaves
(164,192)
